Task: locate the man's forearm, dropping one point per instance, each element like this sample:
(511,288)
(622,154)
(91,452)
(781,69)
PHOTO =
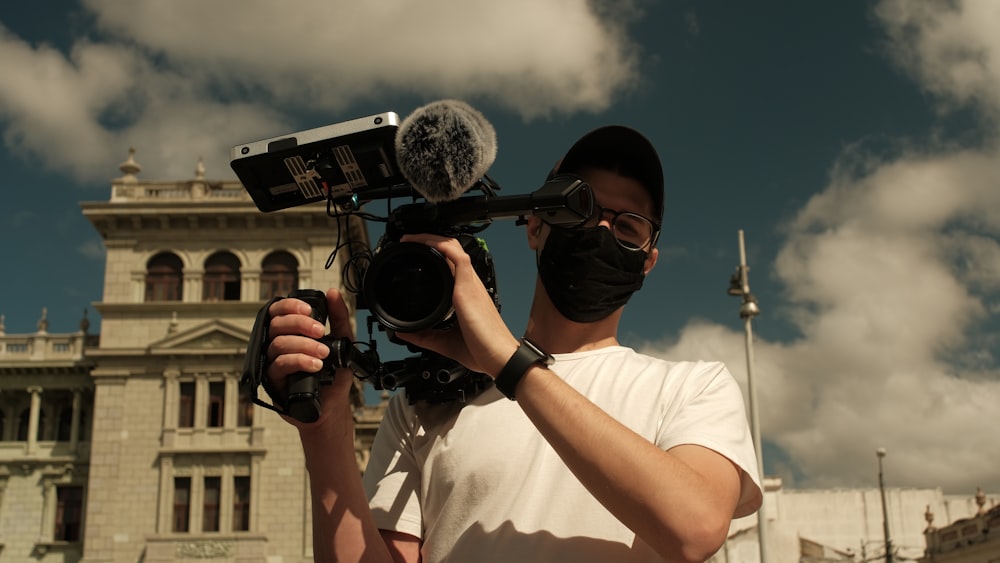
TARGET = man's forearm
(343,527)
(679,505)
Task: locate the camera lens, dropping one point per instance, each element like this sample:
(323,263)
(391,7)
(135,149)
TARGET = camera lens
(408,287)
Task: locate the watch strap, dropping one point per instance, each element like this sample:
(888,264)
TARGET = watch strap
(527,353)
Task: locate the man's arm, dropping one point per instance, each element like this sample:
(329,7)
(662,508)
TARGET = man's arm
(343,526)
(678,502)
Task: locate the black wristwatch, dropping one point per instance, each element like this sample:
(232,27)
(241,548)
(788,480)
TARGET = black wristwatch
(518,364)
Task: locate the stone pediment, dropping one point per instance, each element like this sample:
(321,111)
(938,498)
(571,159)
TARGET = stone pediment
(213,335)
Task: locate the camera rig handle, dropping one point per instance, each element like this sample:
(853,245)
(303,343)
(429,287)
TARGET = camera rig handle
(301,399)
(303,402)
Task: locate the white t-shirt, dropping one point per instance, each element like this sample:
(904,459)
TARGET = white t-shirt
(478,482)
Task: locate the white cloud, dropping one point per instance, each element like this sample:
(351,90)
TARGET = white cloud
(883,311)
(534,57)
(950,47)
(891,274)
(93,249)
(157,78)
(78,113)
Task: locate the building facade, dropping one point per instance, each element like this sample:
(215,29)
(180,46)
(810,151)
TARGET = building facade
(136,444)
(827,525)
(975,539)
(46,409)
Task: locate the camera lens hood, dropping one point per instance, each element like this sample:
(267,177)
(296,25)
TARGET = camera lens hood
(408,287)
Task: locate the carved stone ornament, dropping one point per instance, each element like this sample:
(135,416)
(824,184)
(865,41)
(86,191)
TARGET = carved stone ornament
(204,550)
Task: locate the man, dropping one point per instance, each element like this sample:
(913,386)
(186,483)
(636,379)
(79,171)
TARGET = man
(604,455)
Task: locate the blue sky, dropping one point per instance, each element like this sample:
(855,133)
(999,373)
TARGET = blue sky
(853,142)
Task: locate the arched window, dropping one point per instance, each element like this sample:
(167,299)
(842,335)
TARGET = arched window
(163,277)
(279,275)
(25,420)
(64,425)
(83,431)
(22,425)
(222,278)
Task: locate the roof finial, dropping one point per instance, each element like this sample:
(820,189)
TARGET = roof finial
(980,501)
(130,167)
(199,169)
(3,325)
(43,323)
(84,323)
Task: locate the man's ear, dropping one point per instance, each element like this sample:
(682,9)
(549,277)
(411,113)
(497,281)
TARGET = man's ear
(654,253)
(534,232)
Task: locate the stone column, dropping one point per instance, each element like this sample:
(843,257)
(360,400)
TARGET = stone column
(74,426)
(138,282)
(194,279)
(231,400)
(200,401)
(226,499)
(36,403)
(250,280)
(165,512)
(48,510)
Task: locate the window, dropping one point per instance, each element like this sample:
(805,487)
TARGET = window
(222,278)
(210,508)
(279,275)
(182,503)
(241,504)
(244,414)
(22,425)
(185,417)
(81,430)
(210,492)
(216,402)
(25,420)
(64,425)
(163,277)
(69,513)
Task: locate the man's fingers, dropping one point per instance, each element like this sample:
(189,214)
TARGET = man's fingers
(340,317)
(289,306)
(290,344)
(288,364)
(298,324)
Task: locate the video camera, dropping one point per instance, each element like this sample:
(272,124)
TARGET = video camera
(433,158)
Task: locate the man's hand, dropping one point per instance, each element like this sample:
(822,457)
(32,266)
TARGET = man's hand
(294,348)
(483,342)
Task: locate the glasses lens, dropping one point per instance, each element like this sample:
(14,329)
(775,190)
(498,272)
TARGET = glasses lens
(632,231)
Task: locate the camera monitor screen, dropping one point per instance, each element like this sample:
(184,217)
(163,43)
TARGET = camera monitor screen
(299,168)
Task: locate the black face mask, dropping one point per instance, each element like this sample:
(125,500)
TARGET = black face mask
(587,274)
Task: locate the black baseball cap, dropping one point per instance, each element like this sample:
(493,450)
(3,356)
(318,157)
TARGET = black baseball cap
(622,150)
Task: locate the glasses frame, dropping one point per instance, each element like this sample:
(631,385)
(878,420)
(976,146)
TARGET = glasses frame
(600,212)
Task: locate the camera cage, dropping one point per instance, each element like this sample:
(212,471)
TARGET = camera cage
(350,164)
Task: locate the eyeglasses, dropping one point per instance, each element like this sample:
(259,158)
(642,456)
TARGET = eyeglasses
(631,230)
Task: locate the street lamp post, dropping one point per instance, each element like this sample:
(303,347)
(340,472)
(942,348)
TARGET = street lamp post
(739,286)
(880,453)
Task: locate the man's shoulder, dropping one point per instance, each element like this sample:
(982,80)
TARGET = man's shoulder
(675,365)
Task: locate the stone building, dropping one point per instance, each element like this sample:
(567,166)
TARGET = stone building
(46,407)
(136,444)
(826,525)
(975,539)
